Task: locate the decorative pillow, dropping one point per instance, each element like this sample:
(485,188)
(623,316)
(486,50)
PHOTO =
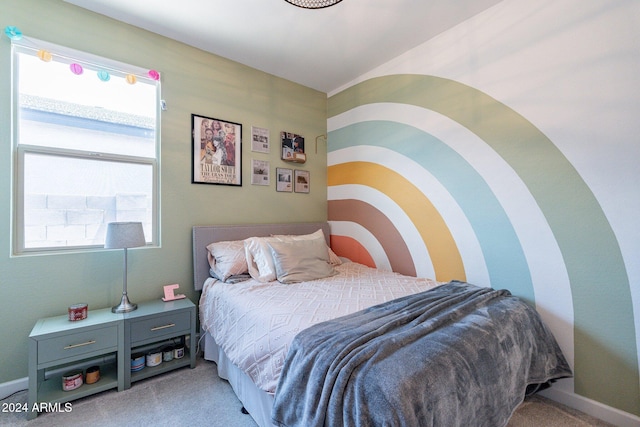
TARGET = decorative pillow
(227,259)
(231,279)
(301,260)
(259,259)
(333,258)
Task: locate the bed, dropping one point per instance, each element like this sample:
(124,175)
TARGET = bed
(308,339)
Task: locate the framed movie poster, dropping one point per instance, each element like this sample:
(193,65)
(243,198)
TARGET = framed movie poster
(216,151)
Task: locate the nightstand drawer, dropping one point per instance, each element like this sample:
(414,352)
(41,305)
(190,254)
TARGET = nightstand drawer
(166,324)
(75,344)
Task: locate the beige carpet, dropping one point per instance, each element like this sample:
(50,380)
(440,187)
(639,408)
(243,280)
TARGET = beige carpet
(537,411)
(197,397)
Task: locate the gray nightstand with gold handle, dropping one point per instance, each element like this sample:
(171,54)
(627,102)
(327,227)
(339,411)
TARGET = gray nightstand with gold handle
(58,346)
(154,326)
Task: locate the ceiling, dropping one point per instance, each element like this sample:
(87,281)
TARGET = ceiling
(322,48)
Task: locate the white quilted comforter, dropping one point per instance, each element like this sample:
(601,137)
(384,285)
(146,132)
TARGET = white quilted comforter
(255,322)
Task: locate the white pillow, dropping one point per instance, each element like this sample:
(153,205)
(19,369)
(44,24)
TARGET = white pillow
(333,258)
(227,259)
(301,260)
(259,259)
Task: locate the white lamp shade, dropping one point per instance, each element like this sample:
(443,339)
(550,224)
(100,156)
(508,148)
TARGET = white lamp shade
(124,235)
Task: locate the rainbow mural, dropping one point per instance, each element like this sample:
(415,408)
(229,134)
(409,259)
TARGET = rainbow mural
(431,177)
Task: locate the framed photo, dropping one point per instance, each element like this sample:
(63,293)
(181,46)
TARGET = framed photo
(216,151)
(284,180)
(292,146)
(259,139)
(301,181)
(260,172)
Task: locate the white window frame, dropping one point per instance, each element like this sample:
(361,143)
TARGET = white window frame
(20,150)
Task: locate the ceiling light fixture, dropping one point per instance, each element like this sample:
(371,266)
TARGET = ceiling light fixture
(313,4)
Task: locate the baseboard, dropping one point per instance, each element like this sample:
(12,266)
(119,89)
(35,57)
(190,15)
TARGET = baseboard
(591,407)
(10,387)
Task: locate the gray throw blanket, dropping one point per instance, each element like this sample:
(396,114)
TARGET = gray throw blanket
(456,355)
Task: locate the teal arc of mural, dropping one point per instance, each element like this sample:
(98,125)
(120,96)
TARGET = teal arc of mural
(603,313)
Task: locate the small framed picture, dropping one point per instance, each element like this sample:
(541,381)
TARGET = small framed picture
(259,139)
(292,147)
(284,180)
(301,181)
(216,151)
(260,172)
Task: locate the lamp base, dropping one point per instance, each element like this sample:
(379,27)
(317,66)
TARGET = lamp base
(125,306)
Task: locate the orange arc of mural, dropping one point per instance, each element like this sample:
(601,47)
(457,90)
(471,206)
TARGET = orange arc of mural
(446,258)
(345,245)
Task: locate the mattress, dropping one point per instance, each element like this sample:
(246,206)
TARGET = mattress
(254,323)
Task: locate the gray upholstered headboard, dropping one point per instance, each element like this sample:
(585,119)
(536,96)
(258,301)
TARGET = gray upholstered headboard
(203,235)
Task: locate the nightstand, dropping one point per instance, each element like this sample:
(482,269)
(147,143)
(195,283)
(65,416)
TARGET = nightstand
(58,346)
(156,325)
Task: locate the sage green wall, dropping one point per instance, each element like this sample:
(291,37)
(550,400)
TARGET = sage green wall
(192,82)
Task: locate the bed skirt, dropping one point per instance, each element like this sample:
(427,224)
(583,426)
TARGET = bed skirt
(257,402)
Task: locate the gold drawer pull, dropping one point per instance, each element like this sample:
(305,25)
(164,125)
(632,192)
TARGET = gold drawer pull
(69,347)
(157,328)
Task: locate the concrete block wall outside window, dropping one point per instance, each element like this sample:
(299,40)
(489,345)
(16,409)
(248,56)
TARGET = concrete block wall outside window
(67,220)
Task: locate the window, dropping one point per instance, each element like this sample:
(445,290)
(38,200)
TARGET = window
(86,132)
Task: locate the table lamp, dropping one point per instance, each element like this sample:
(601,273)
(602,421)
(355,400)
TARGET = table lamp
(124,235)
